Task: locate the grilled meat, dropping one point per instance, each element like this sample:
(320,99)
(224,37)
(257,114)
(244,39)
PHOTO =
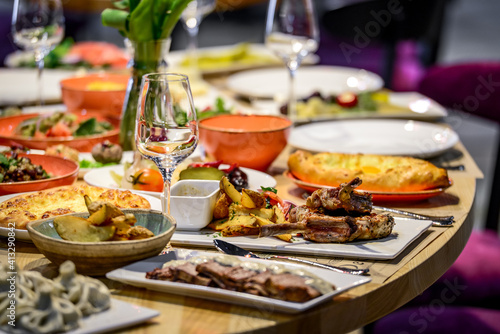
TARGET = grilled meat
(342,198)
(319,219)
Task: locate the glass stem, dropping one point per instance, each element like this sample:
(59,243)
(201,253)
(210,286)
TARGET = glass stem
(292,101)
(39,59)
(166,173)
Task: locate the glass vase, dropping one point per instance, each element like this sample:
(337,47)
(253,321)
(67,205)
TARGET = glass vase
(147,57)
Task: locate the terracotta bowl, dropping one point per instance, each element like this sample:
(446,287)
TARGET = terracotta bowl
(64,172)
(98,258)
(252,141)
(103,92)
(82,144)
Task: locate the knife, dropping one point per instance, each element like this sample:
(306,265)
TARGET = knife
(228,248)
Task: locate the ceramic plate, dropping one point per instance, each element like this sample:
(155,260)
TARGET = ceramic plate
(128,156)
(11,80)
(378,196)
(403,105)
(404,233)
(273,83)
(134,274)
(257,56)
(24,235)
(386,137)
(102,178)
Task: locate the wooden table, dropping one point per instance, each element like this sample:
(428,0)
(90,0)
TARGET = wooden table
(345,312)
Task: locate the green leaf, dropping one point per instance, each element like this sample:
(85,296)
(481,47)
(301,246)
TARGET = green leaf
(4,160)
(169,21)
(274,190)
(86,128)
(115,18)
(141,22)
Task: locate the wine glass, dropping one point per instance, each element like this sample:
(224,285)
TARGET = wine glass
(166,128)
(291,33)
(191,18)
(38,26)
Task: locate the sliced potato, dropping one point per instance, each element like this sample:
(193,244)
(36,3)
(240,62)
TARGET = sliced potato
(262,221)
(79,229)
(97,205)
(127,218)
(228,188)
(279,216)
(104,214)
(240,210)
(252,199)
(235,220)
(221,209)
(139,232)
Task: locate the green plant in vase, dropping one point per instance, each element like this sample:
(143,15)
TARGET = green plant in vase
(147,25)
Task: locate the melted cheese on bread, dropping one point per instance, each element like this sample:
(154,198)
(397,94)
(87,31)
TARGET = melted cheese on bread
(378,172)
(58,201)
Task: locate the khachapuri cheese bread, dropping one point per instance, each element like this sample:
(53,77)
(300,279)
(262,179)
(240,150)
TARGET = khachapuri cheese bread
(48,203)
(377,172)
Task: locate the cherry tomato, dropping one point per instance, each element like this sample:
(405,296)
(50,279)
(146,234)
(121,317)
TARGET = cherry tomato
(147,179)
(347,100)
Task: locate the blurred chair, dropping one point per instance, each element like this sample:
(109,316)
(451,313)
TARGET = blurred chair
(365,32)
(466,299)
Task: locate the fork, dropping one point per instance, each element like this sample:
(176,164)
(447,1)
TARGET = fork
(440,221)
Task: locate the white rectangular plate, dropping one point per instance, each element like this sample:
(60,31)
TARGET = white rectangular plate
(135,274)
(403,234)
(119,315)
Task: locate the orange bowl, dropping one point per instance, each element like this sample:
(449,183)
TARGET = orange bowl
(63,172)
(252,141)
(103,92)
(82,144)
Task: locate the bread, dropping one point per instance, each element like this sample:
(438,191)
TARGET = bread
(378,172)
(20,210)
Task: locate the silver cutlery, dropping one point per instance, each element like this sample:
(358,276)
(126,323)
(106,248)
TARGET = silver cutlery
(440,221)
(228,248)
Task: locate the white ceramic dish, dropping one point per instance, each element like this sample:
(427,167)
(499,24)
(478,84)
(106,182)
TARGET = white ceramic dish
(403,234)
(175,59)
(274,82)
(11,80)
(192,203)
(387,137)
(416,106)
(102,178)
(24,235)
(134,274)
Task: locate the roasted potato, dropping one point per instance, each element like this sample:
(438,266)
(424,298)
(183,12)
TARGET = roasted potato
(262,221)
(221,209)
(252,199)
(80,229)
(240,210)
(228,188)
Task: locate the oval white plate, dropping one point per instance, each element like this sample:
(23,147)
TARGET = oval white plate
(274,82)
(386,137)
(102,178)
(24,235)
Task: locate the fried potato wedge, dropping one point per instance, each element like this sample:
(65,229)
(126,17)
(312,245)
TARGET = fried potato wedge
(252,199)
(80,229)
(240,210)
(262,221)
(221,209)
(228,188)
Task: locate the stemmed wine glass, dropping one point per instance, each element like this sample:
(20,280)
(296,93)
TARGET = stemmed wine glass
(166,128)
(291,33)
(191,18)
(38,26)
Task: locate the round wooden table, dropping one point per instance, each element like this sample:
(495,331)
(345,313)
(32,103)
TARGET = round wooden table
(412,273)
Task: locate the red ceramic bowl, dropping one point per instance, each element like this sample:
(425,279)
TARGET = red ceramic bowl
(252,141)
(82,144)
(63,172)
(103,92)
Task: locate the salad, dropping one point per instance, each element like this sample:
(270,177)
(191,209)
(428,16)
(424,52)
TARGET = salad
(18,169)
(61,124)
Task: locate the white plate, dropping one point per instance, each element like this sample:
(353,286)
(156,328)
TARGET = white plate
(386,137)
(403,234)
(101,177)
(175,58)
(416,106)
(274,82)
(24,235)
(120,315)
(128,156)
(134,274)
(20,86)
